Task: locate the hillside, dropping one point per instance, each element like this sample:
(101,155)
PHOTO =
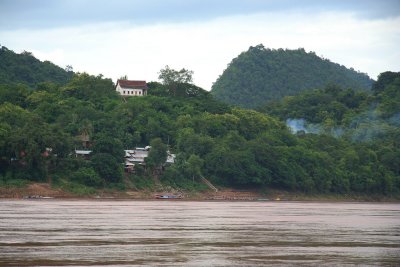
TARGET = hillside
(260,75)
(344,113)
(232,147)
(26,69)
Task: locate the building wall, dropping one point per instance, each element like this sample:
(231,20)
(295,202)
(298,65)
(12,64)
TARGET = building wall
(130,92)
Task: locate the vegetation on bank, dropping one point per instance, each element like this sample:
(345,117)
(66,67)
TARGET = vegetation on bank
(259,75)
(40,128)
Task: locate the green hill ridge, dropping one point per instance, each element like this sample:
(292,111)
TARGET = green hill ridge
(26,69)
(260,75)
(41,129)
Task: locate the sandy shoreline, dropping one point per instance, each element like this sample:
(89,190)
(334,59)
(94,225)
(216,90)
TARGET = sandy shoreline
(206,199)
(43,191)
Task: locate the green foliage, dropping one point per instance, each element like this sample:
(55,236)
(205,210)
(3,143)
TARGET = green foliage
(84,86)
(329,105)
(175,178)
(39,130)
(141,182)
(194,165)
(260,75)
(389,97)
(19,183)
(26,69)
(76,188)
(158,153)
(108,145)
(384,79)
(178,84)
(338,164)
(170,76)
(14,94)
(87,176)
(107,167)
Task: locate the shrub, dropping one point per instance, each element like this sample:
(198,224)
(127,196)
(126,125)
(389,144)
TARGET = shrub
(87,176)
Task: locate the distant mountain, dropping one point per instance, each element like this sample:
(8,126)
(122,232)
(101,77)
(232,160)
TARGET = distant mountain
(25,68)
(260,75)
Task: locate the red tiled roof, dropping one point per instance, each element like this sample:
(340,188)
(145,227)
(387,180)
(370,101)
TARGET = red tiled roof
(132,84)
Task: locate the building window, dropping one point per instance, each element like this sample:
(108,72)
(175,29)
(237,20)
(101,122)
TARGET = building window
(140,92)
(124,91)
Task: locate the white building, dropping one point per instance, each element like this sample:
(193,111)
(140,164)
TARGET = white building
(83,153)
(131,88)
(137,156)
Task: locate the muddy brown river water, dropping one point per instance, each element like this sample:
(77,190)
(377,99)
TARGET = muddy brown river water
(184,233)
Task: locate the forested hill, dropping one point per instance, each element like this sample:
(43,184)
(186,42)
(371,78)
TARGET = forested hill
(259,75)
(40,130)
(26,69)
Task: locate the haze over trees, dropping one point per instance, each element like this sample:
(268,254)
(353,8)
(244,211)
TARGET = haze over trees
(41,126)
(260,74)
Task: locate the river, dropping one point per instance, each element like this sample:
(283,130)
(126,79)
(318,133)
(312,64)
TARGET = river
(185,233)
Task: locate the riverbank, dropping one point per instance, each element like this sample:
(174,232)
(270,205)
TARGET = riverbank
(45,190)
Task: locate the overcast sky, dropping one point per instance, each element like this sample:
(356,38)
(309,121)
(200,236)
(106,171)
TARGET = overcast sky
(138,38)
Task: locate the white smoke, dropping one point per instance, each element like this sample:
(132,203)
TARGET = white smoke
(298,125)
(365,127)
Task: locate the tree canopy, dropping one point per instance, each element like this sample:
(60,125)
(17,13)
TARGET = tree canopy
(178,83)
(40,130)
(26,69)
(260,75)
(170,76)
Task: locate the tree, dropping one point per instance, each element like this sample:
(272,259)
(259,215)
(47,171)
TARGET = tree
(157,154)
(26,69)
(15,94)
(384,79)
(107,167)
(390,98)
(69,68)
(173,79)
(194,165)
(88,87)
(87,176)
(260,75)
(109,145)
(169,76)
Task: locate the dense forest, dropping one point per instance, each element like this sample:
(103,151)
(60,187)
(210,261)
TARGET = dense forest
(41,126)
(24,68)
(259,75)
(344,112)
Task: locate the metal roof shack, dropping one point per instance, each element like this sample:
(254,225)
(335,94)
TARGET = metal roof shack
(137,156)
(83,153)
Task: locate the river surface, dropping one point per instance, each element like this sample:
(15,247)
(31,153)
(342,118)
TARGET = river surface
(184,233)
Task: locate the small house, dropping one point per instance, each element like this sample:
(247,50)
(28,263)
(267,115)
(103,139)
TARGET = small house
(131,88)
(83,153)
(138,155)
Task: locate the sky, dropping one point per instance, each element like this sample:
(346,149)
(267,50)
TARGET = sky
(139,38)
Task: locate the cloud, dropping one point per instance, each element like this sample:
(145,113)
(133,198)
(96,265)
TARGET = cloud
(44,14)
(206,47)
